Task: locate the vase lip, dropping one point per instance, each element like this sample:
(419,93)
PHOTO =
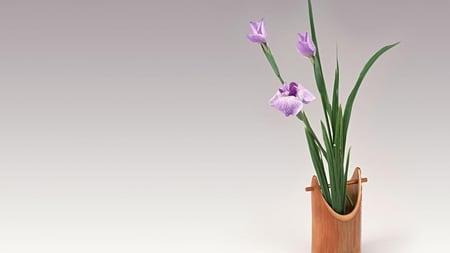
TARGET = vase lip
(355,211)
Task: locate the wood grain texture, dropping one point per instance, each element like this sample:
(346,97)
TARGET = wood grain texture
(333,232)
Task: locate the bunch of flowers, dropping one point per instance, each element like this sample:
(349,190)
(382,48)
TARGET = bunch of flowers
(329,156)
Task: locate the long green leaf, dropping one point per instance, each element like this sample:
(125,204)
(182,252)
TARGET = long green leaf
(347,163)
(335,103)
(302,116)
(329,152)
(331,164)
(318,165)
(339,169)
(321,86)
(320,81)
(346,175)
(326,139)
(352,96)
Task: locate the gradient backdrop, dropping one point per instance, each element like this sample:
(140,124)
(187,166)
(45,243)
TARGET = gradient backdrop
(144,126)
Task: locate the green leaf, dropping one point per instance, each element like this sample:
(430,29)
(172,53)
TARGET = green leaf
(339,134)
(334,106)
(346,176)
(318,165)
(320,81)
(339,167)
(326,139)
(302,116)
(352,96)
(331,163)
(347,163)
(318,73)
(329,148)
(321,87)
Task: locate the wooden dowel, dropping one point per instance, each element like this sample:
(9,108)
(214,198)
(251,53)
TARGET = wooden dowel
(349,182)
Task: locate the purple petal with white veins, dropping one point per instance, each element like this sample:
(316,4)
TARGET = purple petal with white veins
(274,98)
(306,96)
(284,89)
(288,105)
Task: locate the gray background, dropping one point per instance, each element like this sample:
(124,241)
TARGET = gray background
(144,126)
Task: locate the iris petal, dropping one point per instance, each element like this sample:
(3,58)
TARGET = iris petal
(306,96)
(305,46)
(258,34)
(288,105)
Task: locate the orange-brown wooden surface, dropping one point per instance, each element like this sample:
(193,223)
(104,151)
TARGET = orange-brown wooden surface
(332,232)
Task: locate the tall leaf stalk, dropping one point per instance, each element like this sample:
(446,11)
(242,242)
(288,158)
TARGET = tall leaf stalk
(334,131)
(330,153)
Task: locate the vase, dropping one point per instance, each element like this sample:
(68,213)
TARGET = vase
(333,232)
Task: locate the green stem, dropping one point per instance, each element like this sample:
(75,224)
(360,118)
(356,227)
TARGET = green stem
(302,116)
(271,60)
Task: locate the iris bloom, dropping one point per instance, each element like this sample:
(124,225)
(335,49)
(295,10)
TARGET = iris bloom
(258,34)
(290,98)
(305,45)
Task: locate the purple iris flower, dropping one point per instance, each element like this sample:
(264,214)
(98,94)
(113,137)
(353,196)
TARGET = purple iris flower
(290,98)
(305,45)
(258,34)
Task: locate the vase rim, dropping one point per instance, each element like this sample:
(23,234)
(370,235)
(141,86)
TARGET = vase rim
(348,216)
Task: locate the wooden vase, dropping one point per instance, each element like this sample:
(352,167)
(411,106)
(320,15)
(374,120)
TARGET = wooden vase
(331,231)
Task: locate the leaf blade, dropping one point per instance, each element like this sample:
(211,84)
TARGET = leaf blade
(353,93)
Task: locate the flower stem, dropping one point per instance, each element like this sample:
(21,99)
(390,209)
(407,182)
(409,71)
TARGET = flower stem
(271,60)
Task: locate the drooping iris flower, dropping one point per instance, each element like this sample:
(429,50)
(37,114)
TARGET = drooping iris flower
(290,98)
